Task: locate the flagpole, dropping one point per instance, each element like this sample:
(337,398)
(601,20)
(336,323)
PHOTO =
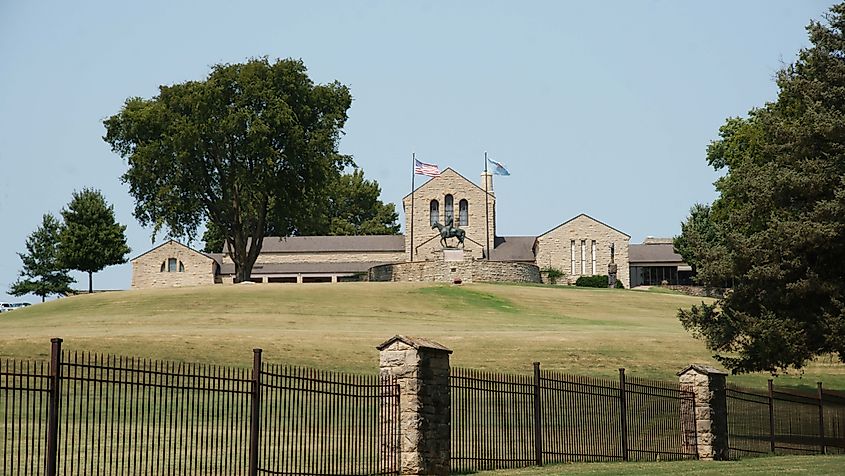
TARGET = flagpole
(413,177)
(486,207)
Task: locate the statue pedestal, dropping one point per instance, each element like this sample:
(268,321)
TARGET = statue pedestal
(453,254)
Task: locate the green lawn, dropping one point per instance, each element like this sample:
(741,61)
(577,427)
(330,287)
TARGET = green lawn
(337,326)
(814,465)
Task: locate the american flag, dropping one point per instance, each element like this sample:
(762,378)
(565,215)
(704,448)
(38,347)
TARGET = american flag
(422,168)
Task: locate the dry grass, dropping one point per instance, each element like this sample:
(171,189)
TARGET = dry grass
(495,327)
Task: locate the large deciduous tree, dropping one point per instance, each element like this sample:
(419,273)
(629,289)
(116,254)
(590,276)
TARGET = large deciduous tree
(91,238)
(245,150)
(42,273)
(780,218)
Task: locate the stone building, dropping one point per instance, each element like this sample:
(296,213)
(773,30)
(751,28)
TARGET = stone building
(578,247)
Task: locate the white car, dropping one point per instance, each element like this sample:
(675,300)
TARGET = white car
(6,307)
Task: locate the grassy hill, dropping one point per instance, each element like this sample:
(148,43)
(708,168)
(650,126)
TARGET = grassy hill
(495,327)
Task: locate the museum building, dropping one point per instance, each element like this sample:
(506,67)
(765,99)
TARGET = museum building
(580,246)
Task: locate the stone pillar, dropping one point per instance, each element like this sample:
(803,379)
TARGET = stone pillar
(711,413)
(334,278)
(421,368)
(298,279)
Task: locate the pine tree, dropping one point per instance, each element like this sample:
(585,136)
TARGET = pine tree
(91,238)
(42,273)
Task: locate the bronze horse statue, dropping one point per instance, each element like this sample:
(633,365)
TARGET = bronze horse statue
(449,231)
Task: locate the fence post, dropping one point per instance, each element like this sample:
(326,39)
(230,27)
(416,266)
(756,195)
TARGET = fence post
(53,411)
(623,414)
(771,416)
(711,409)
(538,418)
(421,369)
(821,419)
(255,412)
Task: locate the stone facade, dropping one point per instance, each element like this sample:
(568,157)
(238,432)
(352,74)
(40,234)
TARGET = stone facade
(426,241)
(421,369)
(554,249)
(467,270)
(152,270)
(711,412)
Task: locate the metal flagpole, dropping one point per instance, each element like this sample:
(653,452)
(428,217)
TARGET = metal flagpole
(413,177)
(486,206)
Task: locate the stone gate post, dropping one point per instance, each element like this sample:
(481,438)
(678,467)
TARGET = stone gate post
(711,410)
(421,368)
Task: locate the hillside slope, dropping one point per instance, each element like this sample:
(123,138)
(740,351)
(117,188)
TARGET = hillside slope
(489,326)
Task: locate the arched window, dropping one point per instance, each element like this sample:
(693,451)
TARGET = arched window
(434,212)
(172,265)
(450,208)
(463,213)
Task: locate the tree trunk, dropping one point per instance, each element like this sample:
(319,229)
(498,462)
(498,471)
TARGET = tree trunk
(90,282)
(43,298)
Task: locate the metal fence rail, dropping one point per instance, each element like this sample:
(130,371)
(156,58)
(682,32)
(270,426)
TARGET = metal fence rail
(101,414)
(317,422)
(24,388)
(785,422)
(506,421)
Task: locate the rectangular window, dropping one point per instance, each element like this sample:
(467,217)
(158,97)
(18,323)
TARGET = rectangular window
(572,256)
(583,257)
(593,253)
(171,265)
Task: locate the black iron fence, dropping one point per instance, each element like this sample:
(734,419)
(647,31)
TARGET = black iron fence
(92,414)
(506,421)
(785,422)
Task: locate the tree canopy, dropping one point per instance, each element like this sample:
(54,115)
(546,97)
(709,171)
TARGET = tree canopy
(42,273)
(91,238)
(247,150)
(350,206)
(780,219)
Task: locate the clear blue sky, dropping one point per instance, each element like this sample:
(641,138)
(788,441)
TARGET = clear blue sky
(600,107)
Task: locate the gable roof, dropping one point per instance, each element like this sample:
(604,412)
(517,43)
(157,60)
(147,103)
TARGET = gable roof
(587,216)
(171,240)
(447,169)
(653,253)
(316,244)
(513,248)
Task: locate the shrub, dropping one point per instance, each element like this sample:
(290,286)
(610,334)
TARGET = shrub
(553,274)
(619,284)
(597,281)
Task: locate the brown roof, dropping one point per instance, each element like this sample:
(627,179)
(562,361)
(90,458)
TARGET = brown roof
(305,268)
(316,244)
(653,253)
(513,248)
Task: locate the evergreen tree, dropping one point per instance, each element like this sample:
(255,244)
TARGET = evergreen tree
(42,273)
(780,219)
(91,238)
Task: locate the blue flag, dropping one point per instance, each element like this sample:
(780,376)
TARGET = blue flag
(498,168)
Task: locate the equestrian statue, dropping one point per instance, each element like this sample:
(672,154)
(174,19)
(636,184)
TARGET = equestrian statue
(449,231)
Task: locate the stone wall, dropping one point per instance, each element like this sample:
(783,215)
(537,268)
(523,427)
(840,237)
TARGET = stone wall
(421,370)
(426,241)
(554,249)
(467,271)
(329,257)
(711,414)
(146,269)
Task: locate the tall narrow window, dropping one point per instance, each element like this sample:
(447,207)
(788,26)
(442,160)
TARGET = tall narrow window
(181,267)
(593,254)
(583,256)
(572,257)
(434,212)
(450,208)
(463,213)
(171,265)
